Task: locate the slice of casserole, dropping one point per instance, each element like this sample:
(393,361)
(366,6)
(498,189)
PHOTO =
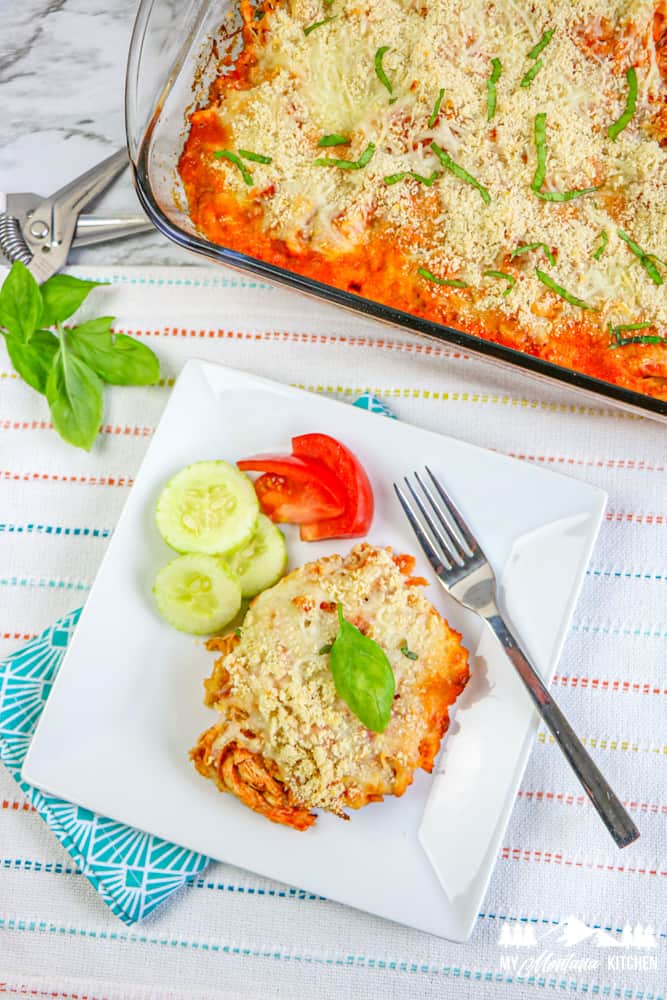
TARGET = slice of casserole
(285,743)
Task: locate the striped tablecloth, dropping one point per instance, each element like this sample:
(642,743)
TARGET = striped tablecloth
(565,913)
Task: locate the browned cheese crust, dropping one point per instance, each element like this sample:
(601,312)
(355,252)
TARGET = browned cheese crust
(285,743)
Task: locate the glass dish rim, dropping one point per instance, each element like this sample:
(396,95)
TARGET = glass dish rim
(596,390)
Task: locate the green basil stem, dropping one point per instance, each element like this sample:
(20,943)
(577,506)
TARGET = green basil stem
(534,246)
(255,157)
(496,72)
(542,44)
(317,24)
(617,340)
(436,108)
(335,139)
(604,239)
(226,154)
(559,290)
(528,77)
(630,104)
(454,282)
(458,171)
(359,164)
(645,259)
(503,277)
(395,178)
(540,129)
(379,70)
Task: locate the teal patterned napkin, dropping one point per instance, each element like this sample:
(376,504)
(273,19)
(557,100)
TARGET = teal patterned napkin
(133,871)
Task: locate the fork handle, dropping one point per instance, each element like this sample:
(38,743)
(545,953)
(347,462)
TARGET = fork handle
(609,807)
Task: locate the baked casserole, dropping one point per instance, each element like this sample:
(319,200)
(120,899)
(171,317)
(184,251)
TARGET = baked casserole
(285,742)
(498,166)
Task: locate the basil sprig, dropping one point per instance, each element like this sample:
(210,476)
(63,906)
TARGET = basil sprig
(436,108)
(362,675)
(317,24)
(533,54)
(504,276)
(334,139)
(363,161)
(496,72)
(453,282)
(564,294)
(604,239)
(617,127)
(616,338)
(540,131)
(534,246)
(458,171)
(645,259)
(379,69)
(70,366)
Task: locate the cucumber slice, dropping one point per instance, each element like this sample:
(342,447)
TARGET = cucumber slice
(197,593)
(207,507)
(260,562)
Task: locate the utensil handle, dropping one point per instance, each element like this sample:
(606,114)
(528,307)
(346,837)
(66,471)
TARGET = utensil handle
(609,807)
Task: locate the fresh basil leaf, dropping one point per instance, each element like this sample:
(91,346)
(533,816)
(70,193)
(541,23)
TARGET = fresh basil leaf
(362,675)
(62,295)
(74,394)
(118,359)
(20,303)
(33,360)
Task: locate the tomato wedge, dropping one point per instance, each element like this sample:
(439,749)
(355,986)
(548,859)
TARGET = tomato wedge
(357,515)
(294,489)
(288,501)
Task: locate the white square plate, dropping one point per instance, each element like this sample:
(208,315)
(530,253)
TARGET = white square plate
(127,704)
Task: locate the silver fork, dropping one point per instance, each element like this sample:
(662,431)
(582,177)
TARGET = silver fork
(465,573)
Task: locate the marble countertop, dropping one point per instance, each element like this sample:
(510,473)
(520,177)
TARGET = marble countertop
(62,69)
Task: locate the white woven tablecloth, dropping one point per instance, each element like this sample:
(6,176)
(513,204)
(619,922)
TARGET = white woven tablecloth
(233,934)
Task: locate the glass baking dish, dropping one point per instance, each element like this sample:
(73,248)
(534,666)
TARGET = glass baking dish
(173,59)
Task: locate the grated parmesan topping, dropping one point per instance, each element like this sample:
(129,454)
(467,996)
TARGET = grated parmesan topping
(282,702)
(304,87)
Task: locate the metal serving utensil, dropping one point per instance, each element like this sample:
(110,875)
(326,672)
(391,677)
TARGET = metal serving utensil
(464,571)
(40,231)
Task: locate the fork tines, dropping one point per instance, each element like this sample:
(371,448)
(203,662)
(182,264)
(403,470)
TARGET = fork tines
(442,532)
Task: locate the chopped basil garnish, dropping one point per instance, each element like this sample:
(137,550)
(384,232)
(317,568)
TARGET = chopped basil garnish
(259,14)
(559,290)
(459,172)
(408,652)
(565,195)
(226,154)
(362,675)
(534,246)
(317,24)
(256,157)
(528,77)
(504,277)
(542,44)
(604,239)
(395,178)
(496,71)
(359,164)
(645,259)
(238,632)
(541,150)
(630,104)
(335,139)
(618,340)
(436,108)
(379,71)
(325,649)
(541,167)
(454,282)
(533,54)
